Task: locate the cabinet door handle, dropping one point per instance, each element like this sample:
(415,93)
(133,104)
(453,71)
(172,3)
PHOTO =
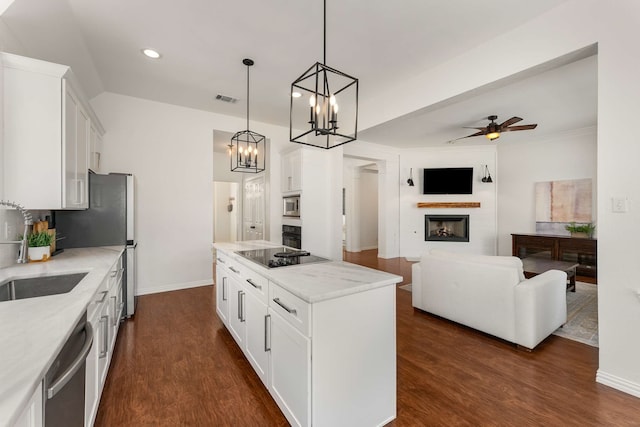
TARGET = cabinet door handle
(242,318)
(105,339)
(234,270)
(251,282)
(115,314)
(289,310)
(104,295)
(240,306)
(224,289)
(267,342)
(220,260)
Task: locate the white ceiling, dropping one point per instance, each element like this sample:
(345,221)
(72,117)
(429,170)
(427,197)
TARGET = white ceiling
(203,43)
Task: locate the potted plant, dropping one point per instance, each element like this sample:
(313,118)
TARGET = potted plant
(39,246)
(580,230)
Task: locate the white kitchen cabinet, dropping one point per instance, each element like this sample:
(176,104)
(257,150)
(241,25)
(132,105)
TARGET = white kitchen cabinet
(96,359)
(75,154)
(257,327)
(327,362)
(222,291)
(32,416)
(104,314)
(46,135)
(291,171)
(236,311)
(95,149)
(290,370)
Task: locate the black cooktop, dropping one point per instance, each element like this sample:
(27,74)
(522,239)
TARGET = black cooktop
(280,257)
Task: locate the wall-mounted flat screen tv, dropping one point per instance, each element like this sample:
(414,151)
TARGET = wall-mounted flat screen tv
(448,181)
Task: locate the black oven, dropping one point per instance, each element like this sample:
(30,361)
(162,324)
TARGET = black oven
(292,236)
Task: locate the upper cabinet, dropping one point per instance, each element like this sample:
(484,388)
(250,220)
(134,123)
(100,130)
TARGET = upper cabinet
(48,132)
(291,178)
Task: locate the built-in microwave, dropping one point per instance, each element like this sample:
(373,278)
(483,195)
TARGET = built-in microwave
(291,206)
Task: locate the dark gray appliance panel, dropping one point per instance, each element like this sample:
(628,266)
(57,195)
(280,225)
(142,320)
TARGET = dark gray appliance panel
(104,223)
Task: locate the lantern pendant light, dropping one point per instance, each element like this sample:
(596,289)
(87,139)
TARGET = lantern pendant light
(317,96)
(247,149)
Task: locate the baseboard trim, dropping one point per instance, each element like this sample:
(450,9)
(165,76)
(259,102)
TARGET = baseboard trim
(618,383)
(174,287)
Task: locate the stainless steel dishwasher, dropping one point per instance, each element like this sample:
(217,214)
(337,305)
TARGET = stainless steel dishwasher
(64,383)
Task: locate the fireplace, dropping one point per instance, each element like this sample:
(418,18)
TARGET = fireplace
(446,228)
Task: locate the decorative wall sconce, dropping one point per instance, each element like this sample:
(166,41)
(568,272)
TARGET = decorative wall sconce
(410,180)
(487,175)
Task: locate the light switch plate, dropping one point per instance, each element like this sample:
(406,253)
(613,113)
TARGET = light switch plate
(620,204)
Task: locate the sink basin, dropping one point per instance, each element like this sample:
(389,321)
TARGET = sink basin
(39,286)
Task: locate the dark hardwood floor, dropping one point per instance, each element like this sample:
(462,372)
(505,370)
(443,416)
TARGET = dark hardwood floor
(176,365)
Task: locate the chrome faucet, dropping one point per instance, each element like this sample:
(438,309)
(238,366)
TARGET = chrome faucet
(28,221)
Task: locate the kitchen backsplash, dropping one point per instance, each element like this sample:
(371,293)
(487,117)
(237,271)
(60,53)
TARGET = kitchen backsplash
(13,220)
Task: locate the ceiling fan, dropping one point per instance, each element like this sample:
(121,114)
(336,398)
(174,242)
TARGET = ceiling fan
(493,130)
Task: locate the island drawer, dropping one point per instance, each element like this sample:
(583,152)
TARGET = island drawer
(290,307)
(255,284)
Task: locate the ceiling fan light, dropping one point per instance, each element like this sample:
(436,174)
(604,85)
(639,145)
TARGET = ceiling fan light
(493,135)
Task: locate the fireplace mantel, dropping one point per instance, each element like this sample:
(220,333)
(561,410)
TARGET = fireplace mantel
(448,204)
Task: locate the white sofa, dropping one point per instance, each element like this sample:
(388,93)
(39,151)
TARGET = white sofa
(491,294)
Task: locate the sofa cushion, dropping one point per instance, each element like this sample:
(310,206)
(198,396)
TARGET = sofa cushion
(505,261)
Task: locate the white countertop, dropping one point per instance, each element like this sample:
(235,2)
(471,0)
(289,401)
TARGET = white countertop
(314,282)
(33,330)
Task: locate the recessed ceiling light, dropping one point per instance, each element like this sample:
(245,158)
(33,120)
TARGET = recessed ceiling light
(153,54)
(296,94)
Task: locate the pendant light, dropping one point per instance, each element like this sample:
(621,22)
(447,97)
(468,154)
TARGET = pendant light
(317,96)
(247,149)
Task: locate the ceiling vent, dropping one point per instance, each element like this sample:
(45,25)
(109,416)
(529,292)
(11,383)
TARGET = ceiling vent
(225,98)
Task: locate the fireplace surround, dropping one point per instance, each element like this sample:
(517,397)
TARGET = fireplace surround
(446,228)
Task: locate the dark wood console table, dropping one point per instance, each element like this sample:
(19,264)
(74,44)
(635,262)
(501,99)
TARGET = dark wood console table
(582,251)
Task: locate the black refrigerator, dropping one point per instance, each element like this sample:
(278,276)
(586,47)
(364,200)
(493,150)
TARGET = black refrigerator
(109,221)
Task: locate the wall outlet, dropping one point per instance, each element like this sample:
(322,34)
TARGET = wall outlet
(620,204)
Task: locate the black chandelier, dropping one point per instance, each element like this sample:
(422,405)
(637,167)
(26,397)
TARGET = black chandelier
(313,118)
(247,149)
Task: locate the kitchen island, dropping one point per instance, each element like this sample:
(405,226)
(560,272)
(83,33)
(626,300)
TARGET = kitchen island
(321,336)
(33,330)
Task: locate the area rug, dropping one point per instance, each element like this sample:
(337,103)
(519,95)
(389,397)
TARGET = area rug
(582,315)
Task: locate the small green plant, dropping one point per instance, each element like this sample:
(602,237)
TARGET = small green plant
(588,229)
(36,240)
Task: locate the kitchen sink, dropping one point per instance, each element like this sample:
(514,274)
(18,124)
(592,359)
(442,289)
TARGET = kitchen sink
(39,286)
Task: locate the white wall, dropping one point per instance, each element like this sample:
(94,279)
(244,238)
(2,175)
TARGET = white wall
(322,201)
(169,150)
(482,221)
(571,155)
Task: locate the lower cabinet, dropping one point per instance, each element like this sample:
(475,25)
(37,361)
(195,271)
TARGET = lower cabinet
(290,370)
(236,311)
(257,326)
(222,293)
(104,314)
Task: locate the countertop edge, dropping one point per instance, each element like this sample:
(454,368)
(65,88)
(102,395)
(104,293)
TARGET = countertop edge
(389,279)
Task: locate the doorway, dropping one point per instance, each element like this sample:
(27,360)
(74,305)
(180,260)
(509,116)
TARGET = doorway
(360,205)
(226,208)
